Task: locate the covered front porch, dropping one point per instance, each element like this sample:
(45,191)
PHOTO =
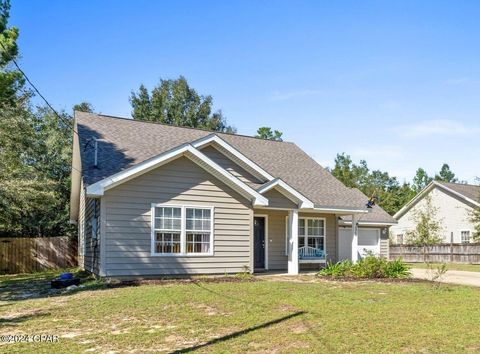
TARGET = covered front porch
(291,240)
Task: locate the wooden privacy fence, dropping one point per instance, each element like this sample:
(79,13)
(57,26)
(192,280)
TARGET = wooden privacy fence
(444,253)
(26,255)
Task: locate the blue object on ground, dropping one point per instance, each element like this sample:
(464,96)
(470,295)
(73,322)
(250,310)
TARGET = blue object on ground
(66,276)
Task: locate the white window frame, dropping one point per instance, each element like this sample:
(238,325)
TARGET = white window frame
(403,239)
(306,236)
(469,236)
(183,230)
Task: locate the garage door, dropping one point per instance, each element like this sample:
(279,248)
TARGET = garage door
(368,241)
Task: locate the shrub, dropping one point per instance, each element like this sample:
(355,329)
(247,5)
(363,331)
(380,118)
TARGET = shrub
(368,267)
(339,269)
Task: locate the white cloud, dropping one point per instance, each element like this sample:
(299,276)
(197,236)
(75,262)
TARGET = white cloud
(442,127)
(279,96)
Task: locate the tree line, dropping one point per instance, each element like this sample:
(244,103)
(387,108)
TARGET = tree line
(36,147)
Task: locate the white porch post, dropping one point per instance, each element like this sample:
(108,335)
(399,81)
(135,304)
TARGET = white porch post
(354,239)
(293,242)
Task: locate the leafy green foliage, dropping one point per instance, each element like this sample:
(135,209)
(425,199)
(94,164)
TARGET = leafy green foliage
(446,174)
(83,107)
(339,269)
(11,80)
(267,133)
(175,102)
(428,228)
(370,267)
(34,172)
(391,195)
(421,180)
(475,219)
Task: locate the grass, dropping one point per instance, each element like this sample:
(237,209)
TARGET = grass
(286,315)
(450,266)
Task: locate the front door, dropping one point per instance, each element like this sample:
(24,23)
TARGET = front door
(259,242)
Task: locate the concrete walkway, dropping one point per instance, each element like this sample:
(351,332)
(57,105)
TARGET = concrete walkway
(450,277)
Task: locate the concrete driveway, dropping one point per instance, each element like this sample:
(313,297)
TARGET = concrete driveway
(450,277)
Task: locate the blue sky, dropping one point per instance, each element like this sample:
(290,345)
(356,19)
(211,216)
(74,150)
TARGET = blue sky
(394,82)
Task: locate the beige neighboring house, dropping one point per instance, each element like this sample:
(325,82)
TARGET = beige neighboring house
(153,199)
(454,203)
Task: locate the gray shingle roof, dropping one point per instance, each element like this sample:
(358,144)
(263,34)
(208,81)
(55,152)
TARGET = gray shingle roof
(467,190)
(376,214)
(128,142)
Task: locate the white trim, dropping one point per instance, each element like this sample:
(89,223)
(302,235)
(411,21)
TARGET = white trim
(368,223)
(306,236)
(103,237)
(187,150)
(293,262)
(267,240)
(252,166)
(426,190)
(338,210)
(183,230)
(288,191)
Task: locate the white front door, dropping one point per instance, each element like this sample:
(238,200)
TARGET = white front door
(368,241)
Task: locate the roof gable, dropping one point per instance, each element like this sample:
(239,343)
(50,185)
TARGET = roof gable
(98,188)
(460,191)
(127,142)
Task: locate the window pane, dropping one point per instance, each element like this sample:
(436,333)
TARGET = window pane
(198,219)
(301,227)
(198,242)
(167,218)
(166,242)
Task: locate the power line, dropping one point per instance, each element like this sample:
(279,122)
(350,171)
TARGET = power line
(67,122)
(37,91)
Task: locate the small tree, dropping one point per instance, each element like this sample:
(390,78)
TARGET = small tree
(267,133)
(428,228)
(475,219)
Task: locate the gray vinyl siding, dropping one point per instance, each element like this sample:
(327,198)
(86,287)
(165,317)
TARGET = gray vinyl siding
(182,182)
(278,200)
(91,259)
(277,258)
(231,166)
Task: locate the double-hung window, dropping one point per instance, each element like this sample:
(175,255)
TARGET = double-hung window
(198,230)
(465,235)
(168,230)
(182,230)
(311,232)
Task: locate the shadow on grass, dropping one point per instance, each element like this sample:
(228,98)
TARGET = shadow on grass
(11,321)
(239,333)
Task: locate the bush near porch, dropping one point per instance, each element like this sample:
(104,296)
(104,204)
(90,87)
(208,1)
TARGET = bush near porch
(370,267)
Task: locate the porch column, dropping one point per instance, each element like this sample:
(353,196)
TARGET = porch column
(354,238)
(293,242)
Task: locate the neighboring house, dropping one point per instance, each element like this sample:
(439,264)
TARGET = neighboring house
(454,203)
(154,199)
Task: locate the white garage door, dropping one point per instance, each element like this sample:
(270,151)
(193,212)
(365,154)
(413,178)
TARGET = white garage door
(368,241)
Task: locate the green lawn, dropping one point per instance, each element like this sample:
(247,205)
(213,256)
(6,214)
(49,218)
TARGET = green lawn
(305,314)
(450,266)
